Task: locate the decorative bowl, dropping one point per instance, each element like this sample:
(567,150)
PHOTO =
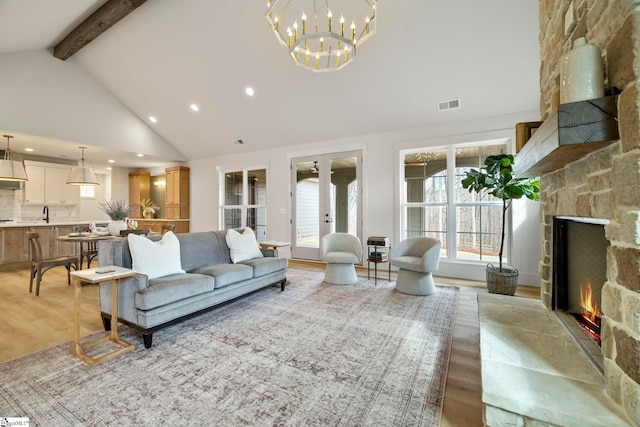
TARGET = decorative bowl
(101,232)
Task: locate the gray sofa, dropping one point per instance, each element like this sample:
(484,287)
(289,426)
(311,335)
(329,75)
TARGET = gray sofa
(210,279)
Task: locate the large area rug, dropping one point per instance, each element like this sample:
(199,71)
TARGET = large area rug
(313,355)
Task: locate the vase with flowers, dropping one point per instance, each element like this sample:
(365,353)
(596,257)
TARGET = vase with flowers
(118,211)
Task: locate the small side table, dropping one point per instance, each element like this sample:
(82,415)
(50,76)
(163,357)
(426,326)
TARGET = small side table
(272,244)
(114,274)
(379,254)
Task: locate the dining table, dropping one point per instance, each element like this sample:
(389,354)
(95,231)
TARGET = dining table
(85,237)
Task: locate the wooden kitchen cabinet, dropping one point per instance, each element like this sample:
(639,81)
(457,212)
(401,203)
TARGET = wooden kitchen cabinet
(66,248)
(139,188)
(177,192)
(51,247)
(15,246)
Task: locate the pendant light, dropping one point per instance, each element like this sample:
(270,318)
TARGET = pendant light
(11,170)
(83,174)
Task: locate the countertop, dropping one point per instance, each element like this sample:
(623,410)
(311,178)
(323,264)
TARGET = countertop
(51,223)
(57,222)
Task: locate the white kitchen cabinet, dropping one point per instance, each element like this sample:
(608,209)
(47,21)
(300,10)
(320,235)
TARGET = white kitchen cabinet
(56,189)
(34,187)
(48,185)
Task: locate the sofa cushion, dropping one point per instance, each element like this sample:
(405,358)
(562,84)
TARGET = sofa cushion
(226,274)
(266,265)
(202,248)
(243,246)
(412,263)
(338,257)
(155,259)
(168,289)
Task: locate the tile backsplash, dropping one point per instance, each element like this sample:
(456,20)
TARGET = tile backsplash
(11,208)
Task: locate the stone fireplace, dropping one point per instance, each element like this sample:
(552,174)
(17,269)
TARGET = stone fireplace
(604,183)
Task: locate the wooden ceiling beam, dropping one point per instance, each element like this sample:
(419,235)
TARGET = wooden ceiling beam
(100,21)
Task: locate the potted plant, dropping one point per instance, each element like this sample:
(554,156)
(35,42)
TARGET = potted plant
(148,208)
(495,177)
(118,211)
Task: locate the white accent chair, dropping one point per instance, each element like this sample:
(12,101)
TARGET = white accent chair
(340,251)
(417,258)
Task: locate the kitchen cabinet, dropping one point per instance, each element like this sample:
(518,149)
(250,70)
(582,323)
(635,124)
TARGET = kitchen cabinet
(182,226)
(177,192)
(34,187)
(48,185)
(139,188)
(56,189)
(15,246)
(51,247)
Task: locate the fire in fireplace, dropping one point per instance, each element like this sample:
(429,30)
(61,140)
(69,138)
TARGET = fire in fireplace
(590,316)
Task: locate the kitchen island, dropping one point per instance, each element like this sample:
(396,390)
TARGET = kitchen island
(14,250)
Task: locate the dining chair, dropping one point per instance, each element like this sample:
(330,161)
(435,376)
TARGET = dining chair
(138,231)
(39,266)
(168,227)
(88,250)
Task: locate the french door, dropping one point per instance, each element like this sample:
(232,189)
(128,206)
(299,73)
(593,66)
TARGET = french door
(326,198)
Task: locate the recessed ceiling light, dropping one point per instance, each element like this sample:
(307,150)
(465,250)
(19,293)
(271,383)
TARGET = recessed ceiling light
(249,91)
(111,161)
(238,142)
(28,149)
(140,155)
(108,168)
(195,107)
(152,119)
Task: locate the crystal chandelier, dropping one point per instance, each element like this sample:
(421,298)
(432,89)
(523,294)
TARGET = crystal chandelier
(316,41)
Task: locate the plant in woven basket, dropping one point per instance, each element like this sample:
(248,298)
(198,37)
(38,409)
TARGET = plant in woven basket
(495,177)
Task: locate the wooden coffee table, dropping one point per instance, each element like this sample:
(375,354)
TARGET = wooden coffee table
(96,276)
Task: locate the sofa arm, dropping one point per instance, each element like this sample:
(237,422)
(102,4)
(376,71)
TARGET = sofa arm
(114,252)
(127,290)
(269,252)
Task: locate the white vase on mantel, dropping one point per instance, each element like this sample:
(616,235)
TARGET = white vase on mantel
(114,227)
(581,73)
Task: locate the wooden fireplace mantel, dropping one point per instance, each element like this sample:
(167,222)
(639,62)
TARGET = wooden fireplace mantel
(571,131)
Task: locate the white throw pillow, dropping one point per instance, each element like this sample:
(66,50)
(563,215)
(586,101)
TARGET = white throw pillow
(155,259)
(242,246)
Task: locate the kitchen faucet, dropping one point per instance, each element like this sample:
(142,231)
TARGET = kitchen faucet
(46,210)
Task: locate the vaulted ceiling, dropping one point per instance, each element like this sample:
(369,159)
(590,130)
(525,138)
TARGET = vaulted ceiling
(168,54)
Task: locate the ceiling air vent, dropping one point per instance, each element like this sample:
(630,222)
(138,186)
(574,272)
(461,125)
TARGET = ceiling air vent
(448,105)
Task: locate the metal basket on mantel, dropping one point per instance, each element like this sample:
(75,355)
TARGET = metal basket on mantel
(503,282)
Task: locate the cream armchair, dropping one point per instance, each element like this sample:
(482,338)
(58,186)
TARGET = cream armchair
(417,258)
(340,251)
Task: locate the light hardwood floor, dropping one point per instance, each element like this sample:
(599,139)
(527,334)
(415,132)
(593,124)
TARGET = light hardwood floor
(29,323)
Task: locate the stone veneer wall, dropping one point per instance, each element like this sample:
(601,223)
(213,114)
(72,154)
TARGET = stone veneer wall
(604,184)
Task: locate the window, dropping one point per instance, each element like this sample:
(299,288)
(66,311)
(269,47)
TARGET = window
(87,192)
(244,201)
(435,204)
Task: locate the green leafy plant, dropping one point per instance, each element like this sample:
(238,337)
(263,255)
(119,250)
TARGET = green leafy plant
(495,177)
(116,209)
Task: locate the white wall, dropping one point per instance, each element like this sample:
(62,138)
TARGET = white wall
(380,176)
